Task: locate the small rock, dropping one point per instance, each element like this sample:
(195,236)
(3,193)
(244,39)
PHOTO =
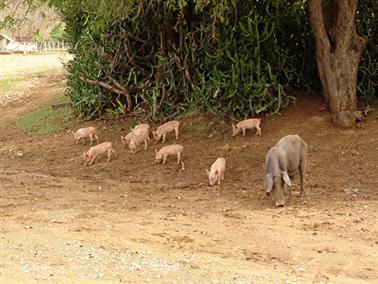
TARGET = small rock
(350,191)
(19,153)
(27,227)
(346,119)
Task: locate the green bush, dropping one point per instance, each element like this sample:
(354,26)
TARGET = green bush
(160,58)
(367,24)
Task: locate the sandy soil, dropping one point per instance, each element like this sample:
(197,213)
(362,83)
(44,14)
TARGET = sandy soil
(133,221)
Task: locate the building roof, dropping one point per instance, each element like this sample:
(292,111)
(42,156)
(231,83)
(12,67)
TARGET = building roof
(6,37)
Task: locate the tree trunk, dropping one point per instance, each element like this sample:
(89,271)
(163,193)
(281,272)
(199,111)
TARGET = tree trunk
(338,51)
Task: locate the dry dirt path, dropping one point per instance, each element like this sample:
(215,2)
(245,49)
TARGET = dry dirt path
(132,221)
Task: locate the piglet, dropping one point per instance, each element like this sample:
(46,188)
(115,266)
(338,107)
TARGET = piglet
(141,126)
(137,131)
(87,132)
(166,128)
(125,140)
(138,137)
(216,173)
(169,150)
(102,148)
(246,124)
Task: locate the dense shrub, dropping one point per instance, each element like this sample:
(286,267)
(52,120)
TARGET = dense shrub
(367,24)
(226,57)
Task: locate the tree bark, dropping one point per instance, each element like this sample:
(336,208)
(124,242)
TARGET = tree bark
(338,51)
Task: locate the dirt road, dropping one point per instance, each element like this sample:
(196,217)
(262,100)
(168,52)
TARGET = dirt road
(133,221)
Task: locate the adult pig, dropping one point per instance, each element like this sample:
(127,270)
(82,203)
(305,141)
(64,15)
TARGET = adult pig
(284,160)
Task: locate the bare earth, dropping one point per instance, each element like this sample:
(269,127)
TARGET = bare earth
(133,221)
(16,64)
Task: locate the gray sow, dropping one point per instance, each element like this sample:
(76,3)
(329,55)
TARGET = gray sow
(284,160)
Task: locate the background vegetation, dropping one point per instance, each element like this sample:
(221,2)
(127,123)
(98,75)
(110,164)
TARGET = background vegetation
(160,58)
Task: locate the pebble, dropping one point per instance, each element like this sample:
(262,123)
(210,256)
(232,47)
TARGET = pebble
(19,153)
(351,191)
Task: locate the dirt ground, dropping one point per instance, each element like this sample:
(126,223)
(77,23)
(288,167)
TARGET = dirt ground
(16,64)
(133,221)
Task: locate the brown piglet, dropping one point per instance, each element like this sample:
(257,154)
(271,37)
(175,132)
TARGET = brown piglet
(169,150)
(87,132)
(167,127)
(247,124)
(216,173)
(138,137)
(102,148)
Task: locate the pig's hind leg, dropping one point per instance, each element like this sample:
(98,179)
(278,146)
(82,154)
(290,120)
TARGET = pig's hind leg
(178,158)
(90,140)
(177,133)
(258,132)
(145,144)
(109,154)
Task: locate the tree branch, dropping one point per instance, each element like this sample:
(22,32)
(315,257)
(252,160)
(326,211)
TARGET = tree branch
(126,93)
(345,22)
(110,88)
(318,27)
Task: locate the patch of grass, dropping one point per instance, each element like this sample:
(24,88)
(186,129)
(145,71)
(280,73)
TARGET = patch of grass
(9,84)
(45,120)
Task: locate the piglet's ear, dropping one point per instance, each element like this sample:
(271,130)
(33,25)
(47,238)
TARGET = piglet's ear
(286,179)
(155,151)
(268,183)
(207,172)
(216,172)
